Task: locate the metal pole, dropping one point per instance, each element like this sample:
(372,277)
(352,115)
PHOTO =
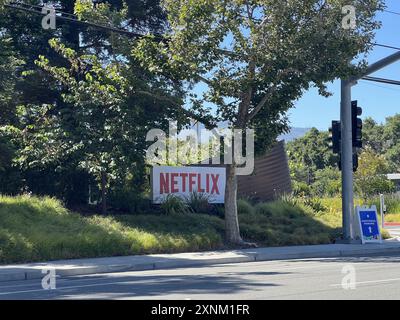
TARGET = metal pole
(382,205)
(378,66)
(347,158)
(347,145)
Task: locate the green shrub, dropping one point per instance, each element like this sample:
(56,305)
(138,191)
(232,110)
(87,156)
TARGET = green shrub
(316,204)
(392,202)
(264,209)
(199,202)
(290,199)
(301,189)
(129,201)
(280,223)
(244,207)
(251,199)
(218,210)
(175,205)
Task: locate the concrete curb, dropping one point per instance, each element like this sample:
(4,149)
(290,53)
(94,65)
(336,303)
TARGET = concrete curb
(158,264)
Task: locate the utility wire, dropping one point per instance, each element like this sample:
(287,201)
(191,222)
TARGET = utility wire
(385,46)
(86,23)
(73,18)
(392,12)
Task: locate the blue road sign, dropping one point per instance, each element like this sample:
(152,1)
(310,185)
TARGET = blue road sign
(369,225)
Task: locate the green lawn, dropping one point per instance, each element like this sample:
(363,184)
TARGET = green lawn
(39,229)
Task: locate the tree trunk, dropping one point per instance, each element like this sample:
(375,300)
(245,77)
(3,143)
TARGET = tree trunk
(232,232)
(103,193)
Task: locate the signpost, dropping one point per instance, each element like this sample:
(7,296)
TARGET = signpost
(369,225)
(383,209)
(182,181)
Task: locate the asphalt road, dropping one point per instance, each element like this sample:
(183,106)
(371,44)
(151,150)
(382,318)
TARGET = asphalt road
(371,277)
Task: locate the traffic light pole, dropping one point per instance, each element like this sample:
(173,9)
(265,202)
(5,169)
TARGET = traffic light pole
(347,158)
(347,142)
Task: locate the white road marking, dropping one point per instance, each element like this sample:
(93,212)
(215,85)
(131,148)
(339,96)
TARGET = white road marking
(369,282)
(69,287)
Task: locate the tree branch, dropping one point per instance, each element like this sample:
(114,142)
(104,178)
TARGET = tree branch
(258,108)
(178,107)
(205,80)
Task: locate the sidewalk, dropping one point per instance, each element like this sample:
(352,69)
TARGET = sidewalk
(164,261)
(394,230)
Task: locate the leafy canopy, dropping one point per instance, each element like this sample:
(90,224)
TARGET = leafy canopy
(255,57)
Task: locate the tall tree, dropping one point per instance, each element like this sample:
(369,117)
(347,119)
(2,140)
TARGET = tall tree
(10,64)
(255,57)
(391,141)
(373,136)
(312,150)
(106,102)
(370,178)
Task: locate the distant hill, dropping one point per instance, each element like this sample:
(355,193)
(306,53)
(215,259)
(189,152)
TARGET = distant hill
(294,133)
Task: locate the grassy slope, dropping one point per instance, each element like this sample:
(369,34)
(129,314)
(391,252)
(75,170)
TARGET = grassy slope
(333,212)
(280,223)
(37,229)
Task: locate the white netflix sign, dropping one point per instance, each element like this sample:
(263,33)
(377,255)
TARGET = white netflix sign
(182,181)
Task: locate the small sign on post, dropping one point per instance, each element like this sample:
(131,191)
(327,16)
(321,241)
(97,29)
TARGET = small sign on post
(369,225)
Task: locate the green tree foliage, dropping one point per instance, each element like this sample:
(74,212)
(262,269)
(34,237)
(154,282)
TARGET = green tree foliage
(327,182)
(313,165)
(391,141)
(10,64)
(255,58)
(74,107)
(373,134)
(311,152)
(101,134)
(2,3)
(370,178)
(314,170)
(33,88)
(384,139)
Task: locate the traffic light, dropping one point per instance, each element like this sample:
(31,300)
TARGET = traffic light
(355,161)
(356,124)
(335,134)
(335,137)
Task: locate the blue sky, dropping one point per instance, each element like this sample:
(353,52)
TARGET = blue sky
(377,100)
